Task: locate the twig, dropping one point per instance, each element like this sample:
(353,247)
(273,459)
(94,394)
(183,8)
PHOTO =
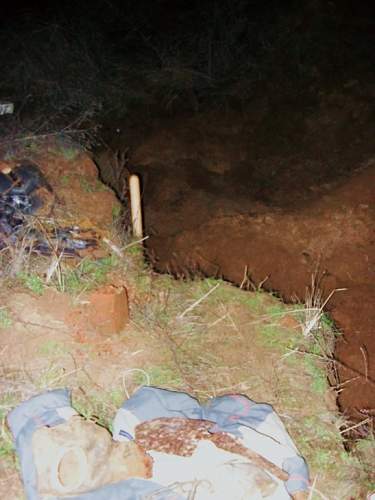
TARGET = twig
(132,370)
(53,267)
(235,327)
(44,136)
(327,359)
(339,387)
(365,360)
(313,490)
(245,279)
(355,426)
(113,247)
(135,243)
(197,302)
(218,320)
(261,283)
(315,319)
(64,375)
(39,325)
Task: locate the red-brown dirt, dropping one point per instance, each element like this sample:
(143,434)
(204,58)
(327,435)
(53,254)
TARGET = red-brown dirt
(105,311)
(275,194)
(284,248)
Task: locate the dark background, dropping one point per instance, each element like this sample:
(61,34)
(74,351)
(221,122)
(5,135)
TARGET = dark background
(90,60)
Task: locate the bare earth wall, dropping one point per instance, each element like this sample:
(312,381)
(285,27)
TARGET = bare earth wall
(278,191)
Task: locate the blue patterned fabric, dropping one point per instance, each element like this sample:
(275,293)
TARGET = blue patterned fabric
(229,414)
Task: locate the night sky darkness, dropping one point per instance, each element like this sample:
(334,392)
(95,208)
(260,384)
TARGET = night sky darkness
(168,14)
(96,61)
(353,20)
(66,59)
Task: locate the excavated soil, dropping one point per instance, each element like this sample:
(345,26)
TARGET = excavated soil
(276,194)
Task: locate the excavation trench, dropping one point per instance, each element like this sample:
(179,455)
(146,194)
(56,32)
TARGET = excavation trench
(224,197)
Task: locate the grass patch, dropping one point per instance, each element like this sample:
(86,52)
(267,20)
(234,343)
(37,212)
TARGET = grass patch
(116,212)
(276,336)
(91,186)
(6,444)
(70,153)
(318,375)
(225,293)
(48,378)
(7,401)
(95,407)
(5,318)
(65,180)
(52,348)
(33,282)
(160,376)
(135,250)
(87,275)
(88,187)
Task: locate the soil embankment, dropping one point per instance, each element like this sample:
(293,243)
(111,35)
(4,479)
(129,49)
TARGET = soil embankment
(283,249)
(275,194)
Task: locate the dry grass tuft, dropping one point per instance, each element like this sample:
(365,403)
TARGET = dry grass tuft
(314,306)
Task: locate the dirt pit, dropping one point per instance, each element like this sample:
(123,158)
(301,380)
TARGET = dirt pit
(275,196)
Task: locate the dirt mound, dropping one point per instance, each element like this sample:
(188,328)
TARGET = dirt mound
(284,249)
(275,194)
